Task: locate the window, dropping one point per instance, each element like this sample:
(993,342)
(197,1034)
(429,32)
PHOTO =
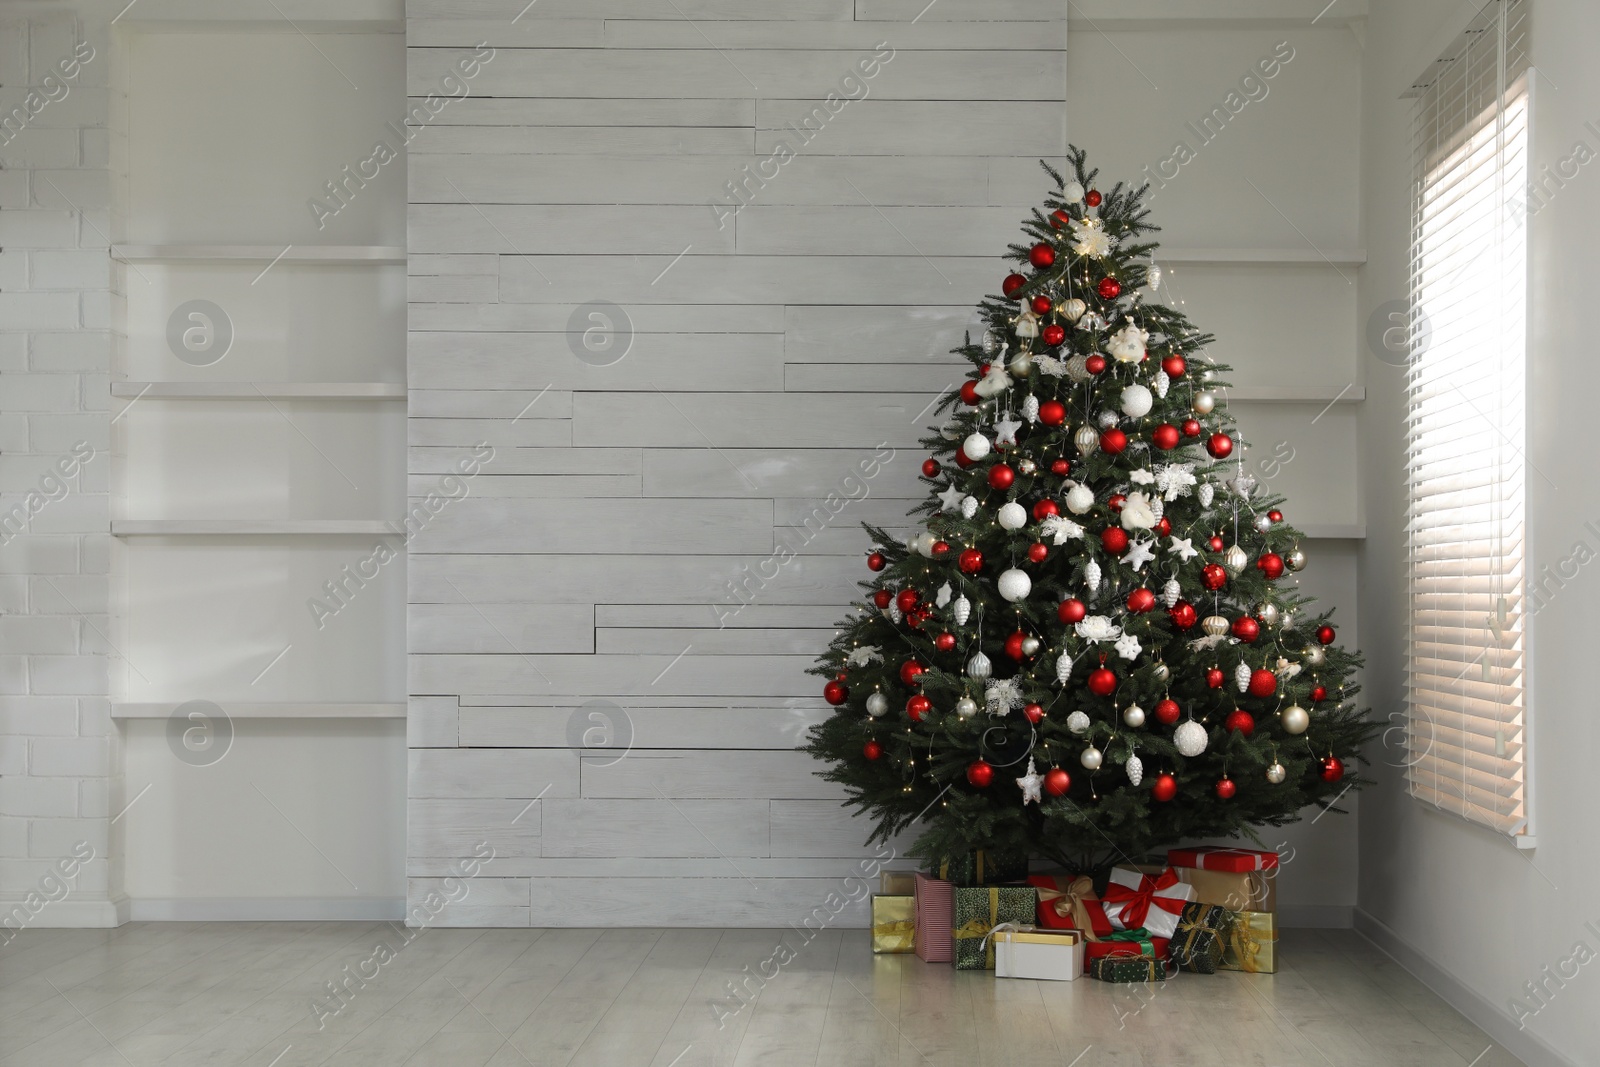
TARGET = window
(1465,427)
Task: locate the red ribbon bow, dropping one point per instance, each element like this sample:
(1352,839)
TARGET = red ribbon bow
(1133,905)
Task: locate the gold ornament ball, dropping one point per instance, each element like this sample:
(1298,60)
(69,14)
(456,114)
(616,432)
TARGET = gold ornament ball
(1073,309)
(1204,402)
(1277,773)
(1021,364)
(1315,656)
(1160,673)
(1295,719)
(1091,758)
(1214,626)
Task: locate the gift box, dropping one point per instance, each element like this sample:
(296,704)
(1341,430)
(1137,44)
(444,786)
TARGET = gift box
(1251,943)
(897,883)
(1029,952)
(1067,903)
(1134,899)
(1197,944)
(893,922)
(978,910)
(1234,890)
(1126,943)
(1128,969)
(1218,858)
(935,919)
(983,867)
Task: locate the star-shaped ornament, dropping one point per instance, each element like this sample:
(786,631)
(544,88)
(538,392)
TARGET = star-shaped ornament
(950,499)
(1030,783)
(1005,431)
(1183,546)
(1139,553)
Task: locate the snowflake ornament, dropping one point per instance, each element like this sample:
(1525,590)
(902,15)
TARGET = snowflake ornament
(860,657)
(1050,365)
(1128,647)
(1139,553)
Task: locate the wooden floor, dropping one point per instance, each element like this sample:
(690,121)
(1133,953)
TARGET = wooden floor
(247,993)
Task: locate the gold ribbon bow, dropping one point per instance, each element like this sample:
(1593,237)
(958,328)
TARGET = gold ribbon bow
(1245,944)
(1073,903)
(901,930)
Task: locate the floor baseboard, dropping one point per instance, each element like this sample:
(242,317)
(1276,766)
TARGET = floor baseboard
(64,914)
(267,909)
(1521,1043)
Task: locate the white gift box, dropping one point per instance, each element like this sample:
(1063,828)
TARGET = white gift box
(1029,952)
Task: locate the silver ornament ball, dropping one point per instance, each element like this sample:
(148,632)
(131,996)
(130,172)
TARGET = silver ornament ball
(1263,523)
(979,666)
(1091,758)
(1026,466)
(1267,613)
(1159,673)
(1021,364)
(1315,656)
(1030,646)
(1133,715)
(1294,559)
(966,707)
(1204,402)
(1277,773)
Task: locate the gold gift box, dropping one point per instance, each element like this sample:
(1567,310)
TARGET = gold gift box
(893,923)
(897,883)
(1252,943)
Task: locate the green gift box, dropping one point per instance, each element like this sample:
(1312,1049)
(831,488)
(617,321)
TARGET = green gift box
(979,909)
(1128,969)
(1198,942)
(982,867)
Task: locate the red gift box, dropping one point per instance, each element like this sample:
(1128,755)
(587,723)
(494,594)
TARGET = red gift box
(1094,950)
(935,920)
(1218,858)
(1065,901)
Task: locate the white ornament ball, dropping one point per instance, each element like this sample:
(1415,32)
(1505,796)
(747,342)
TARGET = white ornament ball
(1295,719)
(1072,192)
(1137,401)
(1014,584)
(1277,773)
(979,666)
(1107,419)
(961,610)
(976,446)
(966,707)
(1078,723)
(877,705)
(1204,402)
(1091,758)
(1030,645)
(1133,715)
(1073,309)
(1135,769)
(1080,498)
(922,544)
(969,506)
(1262,523)
(1013,516)
(1190,738)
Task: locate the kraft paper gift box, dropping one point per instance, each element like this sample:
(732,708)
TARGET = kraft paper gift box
(897,883)
(1234,890)
(935,918)
(1134,898)
(1251,943)
(978,910)
(893,922)
(1029,952)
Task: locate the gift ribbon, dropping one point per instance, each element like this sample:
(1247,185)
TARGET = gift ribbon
(1189,931)
(1245,944)
(1153,970)
(1072,903)
(1133,905)
(900,929)
(1139,936)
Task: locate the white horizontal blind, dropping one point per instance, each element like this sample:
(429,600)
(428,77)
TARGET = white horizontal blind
(1465,428)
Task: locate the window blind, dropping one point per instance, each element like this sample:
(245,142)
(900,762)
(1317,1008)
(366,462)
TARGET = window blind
(1464,460)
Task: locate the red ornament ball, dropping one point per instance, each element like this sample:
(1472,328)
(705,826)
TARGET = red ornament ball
(1165,787)
(980,774)
(919,615)
(907,599)
(1013,645)
(1165,436)
(1246,629)
(1040,305)
(1012,283)
(1325,635)
(835,693)
(1095,363)
(1271,565)
(1071,610)
(1052,413)
(911,672)
(1163,526)
(918,707)
(1057,781)
(1215,543)
(1183,615)
(1043,509)
(1332,769)
(1037,552)
(883,598)
(876,562)
(1001,476)
(1102,682)
(1109,288)
(970,561)
(1033,713)
(1191,427)
(1263,683)
(1113,441)
(1214,677)
(1141,600)
(1213,576)
(1041,255)
(872,750)
(1319,694)
(941,549)
(1174,366)
(1053,334)
(970,397)
(1225,789)
(1116,501)
(1092,198)
(1220,445)
(1239,722)
(930,468)
(945,641)
(961,459)
(1059,218)
(1060,467)
(1114,539)
(1167,711)
(1275,515)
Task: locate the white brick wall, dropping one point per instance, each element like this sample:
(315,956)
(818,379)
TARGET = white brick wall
(57,745)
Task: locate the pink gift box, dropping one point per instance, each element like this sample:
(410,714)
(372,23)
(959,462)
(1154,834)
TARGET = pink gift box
(935,918)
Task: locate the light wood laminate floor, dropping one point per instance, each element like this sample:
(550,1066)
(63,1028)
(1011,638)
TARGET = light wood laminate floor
(244,993)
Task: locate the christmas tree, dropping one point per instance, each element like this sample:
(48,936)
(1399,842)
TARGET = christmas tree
(1095,646)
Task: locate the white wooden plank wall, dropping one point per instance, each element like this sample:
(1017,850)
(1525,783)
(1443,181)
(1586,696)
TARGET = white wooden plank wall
(770,354)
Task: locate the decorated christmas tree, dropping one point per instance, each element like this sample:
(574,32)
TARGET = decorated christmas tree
(1096,645)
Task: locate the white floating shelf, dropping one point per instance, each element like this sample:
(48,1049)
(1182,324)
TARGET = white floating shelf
(1268,394)
(246,527)
(268,711)
(260,390)
(258,253)
(1336,257)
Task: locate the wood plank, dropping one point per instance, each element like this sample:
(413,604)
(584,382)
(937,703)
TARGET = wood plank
(578,461)
(650,774)
(815,474)
(898,333)
(498,628)
(692,902)
(490,404)
(490,774)
(539,486)
(724,362)
(794,641)
(867,230)
(554,318)
(457,827)
(811,420)
(567,111)
(705,10)
(652,728)
(588,140)
(521,433)
(860,35)
(616,676)
(590,828)
(565,230)
(267,710)
(599,526)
